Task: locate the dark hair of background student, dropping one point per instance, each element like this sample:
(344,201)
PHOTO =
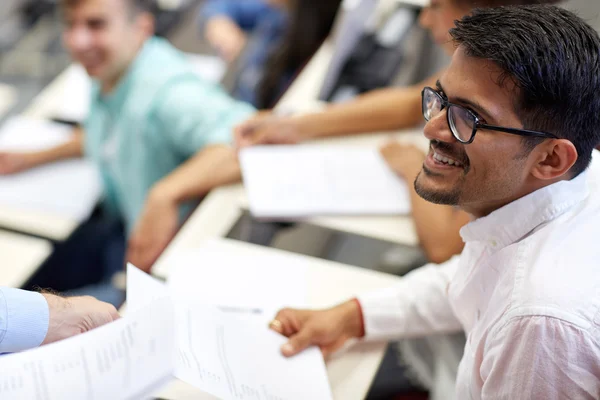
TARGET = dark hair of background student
(310,24)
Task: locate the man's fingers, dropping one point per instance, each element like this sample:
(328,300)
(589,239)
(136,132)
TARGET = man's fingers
(114,313)
(298,342)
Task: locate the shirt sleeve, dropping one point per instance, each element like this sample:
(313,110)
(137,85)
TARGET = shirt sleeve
(246,13)
(24,319)
(195,114)
(417,306)
(540,357)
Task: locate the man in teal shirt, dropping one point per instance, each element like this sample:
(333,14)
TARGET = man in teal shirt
(159,134)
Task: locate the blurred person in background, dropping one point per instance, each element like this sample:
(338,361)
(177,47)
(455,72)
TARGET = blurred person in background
(270,41)
(159,134)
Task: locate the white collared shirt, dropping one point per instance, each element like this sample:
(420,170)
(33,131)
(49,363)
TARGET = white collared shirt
(526,290)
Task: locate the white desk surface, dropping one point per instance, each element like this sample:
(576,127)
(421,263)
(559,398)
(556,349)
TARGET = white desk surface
(20,257)
(46,225)
(350,371)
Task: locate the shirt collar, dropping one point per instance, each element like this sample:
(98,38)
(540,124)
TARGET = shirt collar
(512,222)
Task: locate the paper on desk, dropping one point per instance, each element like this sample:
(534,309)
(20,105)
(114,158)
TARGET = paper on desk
(231,355)
(307,180)
(127,359)
(69,189)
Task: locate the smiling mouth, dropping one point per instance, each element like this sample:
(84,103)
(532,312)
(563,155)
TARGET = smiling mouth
(446,160)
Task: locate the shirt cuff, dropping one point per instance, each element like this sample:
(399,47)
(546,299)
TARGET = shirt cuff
(381,318)
(27,317)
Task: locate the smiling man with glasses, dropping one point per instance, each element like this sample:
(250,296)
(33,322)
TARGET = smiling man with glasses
(512,126)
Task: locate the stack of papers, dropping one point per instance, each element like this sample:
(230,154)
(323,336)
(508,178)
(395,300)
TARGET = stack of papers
(69,189)
(230,352)
(308,180)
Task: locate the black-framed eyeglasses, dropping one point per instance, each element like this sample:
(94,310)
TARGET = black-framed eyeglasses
(463,122)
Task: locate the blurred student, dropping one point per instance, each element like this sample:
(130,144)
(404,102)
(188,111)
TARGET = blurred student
(270,40)
(159,134)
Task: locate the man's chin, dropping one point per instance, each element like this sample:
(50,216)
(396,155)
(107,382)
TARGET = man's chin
(432,194)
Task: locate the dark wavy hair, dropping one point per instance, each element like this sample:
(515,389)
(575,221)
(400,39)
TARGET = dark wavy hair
(553,59)
(310,24)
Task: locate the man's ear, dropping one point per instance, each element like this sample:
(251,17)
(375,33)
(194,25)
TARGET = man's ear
(145,22)
(554,159)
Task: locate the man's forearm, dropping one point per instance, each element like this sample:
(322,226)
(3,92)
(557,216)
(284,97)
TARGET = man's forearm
(212,167)
(71,149)
(387,109)
(376,111)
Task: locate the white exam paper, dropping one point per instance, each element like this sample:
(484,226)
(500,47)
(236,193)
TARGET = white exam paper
(127,359)
(308,180)
(232,355)
(69,189)
(215,275)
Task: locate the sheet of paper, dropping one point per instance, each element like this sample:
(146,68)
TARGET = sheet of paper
(232,355)
(215,275)
(74,93)
(69,189)
(308,180)
(127,359)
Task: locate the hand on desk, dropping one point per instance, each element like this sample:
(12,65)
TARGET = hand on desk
(405,160)
(329,329)
(267,128)
(156,227)
(12,163)
(75,315)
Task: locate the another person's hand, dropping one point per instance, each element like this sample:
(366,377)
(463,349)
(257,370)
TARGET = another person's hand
(12,163)
(406,160)
(74,315)
(329,329)
(157,226)
(226,37)
(267,128)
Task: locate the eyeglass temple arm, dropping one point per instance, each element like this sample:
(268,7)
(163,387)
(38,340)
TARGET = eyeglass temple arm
(522,132)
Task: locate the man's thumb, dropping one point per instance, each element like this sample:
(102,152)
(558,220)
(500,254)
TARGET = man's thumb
(297,343)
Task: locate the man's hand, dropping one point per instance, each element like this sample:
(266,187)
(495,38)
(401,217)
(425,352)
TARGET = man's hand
(156,228)
(75,315)
(226,37)
(328,329)
(266,128)
(405,160)
(12,163)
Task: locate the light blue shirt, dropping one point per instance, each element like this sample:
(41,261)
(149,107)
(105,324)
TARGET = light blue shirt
(160,114)
(24,318)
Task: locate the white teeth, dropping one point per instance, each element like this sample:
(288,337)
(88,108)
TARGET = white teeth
(445,160)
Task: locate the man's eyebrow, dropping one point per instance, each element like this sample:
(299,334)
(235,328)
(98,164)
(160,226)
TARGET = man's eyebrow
(476,107)
(438,86)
